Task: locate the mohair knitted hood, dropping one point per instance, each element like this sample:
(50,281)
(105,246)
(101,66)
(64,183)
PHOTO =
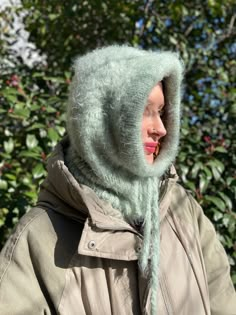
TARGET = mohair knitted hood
(108,95)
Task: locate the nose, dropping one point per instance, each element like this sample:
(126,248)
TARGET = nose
(157,127)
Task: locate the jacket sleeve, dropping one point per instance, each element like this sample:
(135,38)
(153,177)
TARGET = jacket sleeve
(20,291)
(221,289)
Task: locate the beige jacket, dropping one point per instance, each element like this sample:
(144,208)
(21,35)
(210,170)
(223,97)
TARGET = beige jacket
(74,254)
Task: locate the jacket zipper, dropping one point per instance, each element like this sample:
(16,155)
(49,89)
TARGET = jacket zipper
(163,295)
(166,296)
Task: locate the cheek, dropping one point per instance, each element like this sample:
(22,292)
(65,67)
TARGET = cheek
(144,128)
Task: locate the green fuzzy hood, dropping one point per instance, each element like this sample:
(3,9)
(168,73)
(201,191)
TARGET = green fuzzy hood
(107,98)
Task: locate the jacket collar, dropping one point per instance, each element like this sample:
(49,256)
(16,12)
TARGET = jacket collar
(62,193)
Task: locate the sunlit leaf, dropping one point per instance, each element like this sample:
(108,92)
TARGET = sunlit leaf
(220,149)
(203,183)
(218,202)
(38,171)
(31,141)
(3,184)
(8,145)
(197,166)
(226,199)
(52,134)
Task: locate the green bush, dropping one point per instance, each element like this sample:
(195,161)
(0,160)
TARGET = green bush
(32,121)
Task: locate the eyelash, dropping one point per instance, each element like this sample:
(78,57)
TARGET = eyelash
(149,112)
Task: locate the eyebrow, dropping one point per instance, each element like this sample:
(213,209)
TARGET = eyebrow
(149,103)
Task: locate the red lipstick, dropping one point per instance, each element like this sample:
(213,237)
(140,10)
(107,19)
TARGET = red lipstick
(150,147)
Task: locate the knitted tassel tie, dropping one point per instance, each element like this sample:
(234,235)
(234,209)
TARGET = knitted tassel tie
(151,244)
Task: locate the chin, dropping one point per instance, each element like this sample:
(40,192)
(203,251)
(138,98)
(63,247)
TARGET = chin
(150,159)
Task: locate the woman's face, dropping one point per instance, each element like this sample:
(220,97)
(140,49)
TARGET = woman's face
(153,128)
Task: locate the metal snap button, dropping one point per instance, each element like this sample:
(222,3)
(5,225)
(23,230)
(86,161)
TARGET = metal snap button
(138,248)
(92,245)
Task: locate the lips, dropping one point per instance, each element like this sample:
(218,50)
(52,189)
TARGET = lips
(150,147)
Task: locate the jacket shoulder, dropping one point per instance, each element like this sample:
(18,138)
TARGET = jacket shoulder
(182,204)
(35,259)
(19,235)
(37,230)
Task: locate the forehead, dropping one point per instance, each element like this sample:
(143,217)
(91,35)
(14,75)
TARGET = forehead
(156,96)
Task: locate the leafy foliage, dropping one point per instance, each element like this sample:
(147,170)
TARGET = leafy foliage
(83,26)
(32,112)
(32,121)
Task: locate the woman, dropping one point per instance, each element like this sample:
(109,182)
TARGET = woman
(112,232)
